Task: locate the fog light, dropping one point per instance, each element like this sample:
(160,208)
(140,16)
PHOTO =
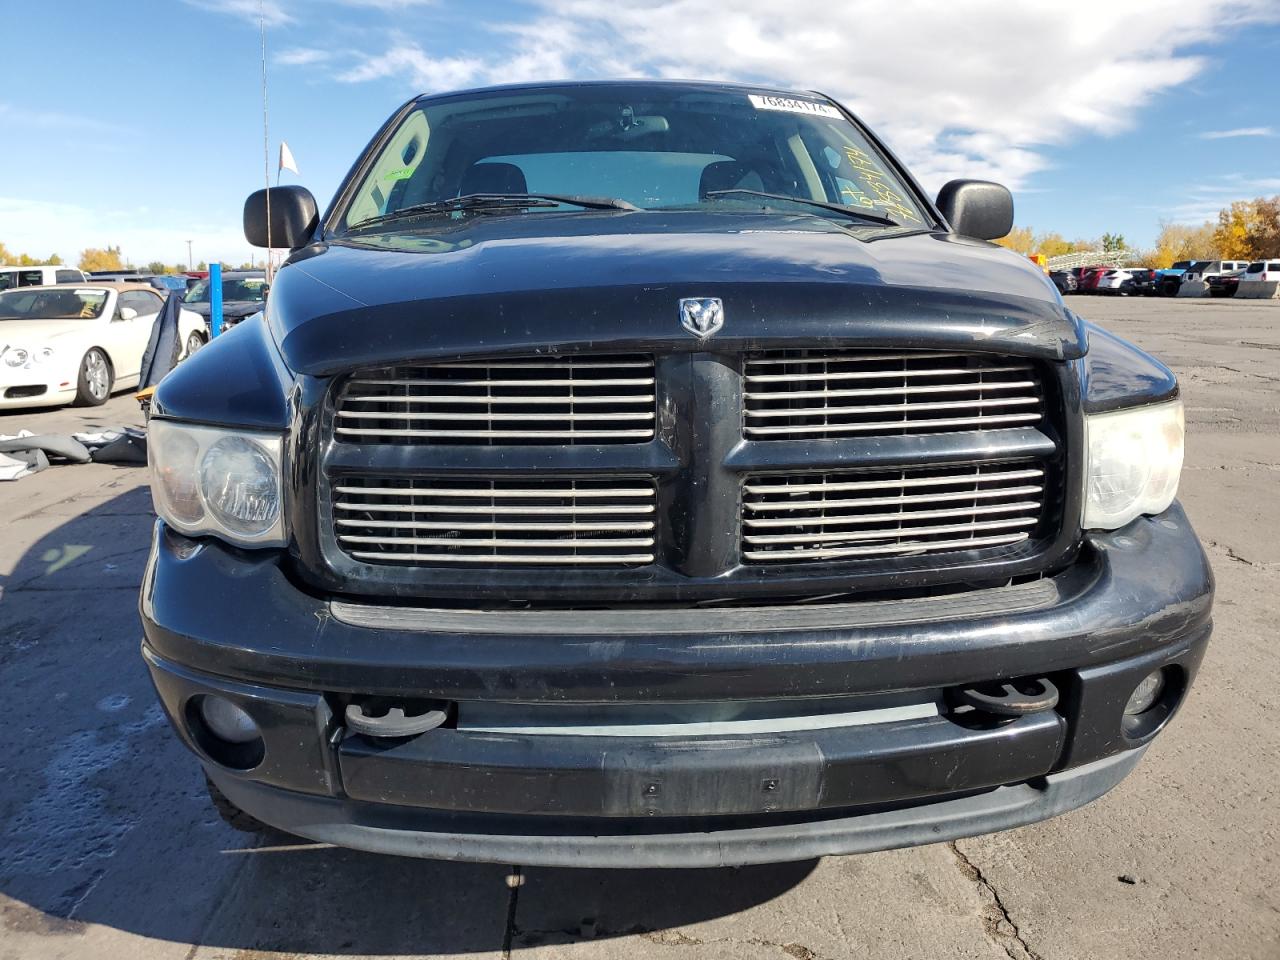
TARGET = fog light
(1145,694)
(227,721)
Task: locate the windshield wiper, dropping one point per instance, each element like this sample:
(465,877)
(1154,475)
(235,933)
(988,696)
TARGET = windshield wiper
(838,208)
(495,201)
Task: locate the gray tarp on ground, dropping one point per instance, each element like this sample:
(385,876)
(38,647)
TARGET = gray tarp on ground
(56,445)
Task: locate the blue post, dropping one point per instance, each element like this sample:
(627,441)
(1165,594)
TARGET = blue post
(215,299)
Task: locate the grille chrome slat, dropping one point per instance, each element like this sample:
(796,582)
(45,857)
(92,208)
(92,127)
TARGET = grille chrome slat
(519,402)
(514,401)
(517,527)
(891,391)
(828,535)
(886,427)
(839,394)
(838,553)
(570,417)
(531,492)
(872,374)
(368,435)
(522,509)
(915,515)
(620,560)
(841,515)
(445,521)
(760,484)
(889,408)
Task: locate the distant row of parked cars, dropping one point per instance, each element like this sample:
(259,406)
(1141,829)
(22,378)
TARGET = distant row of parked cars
(1223,278)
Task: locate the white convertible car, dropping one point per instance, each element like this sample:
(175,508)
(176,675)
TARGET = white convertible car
(77,342)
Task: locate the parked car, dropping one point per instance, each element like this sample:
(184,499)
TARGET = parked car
(1141,283)
(1204,269)
(586,498)
(1089,278)
(76,343)
(1064,280)
(168,283)
(11,277)
(1169,279)
(1121,281)
(1261,271)
(243,293)
(1225,284)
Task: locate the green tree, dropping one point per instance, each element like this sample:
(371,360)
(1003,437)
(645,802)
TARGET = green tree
(155,266)
(1113,242)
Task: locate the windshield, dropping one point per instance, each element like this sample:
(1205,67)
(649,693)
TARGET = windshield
(253,289)
(659,147)
(47,304)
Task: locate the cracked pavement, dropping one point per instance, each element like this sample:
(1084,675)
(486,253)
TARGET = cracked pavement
(108,847)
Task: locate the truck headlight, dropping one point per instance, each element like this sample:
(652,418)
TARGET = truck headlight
(1134,461)
(227,483)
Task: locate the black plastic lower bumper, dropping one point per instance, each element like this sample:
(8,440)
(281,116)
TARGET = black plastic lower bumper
(807,785)
(379,828)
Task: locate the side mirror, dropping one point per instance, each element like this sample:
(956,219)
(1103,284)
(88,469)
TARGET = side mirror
(294,216)
(977,208)
(128,313)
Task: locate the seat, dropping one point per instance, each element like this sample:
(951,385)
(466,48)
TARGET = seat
(728,175)
(501,178)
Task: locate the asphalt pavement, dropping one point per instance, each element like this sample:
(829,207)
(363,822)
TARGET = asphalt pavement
(108,847)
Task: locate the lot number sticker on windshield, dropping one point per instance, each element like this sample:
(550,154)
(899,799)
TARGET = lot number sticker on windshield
(791,105)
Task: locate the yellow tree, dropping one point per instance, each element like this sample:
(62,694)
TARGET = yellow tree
(1020,240)
(1237,225)
(96,259)
(1182,241)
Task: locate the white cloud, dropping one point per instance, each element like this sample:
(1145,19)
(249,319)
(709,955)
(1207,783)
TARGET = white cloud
(301,56)
(964,88)
(271,12)
(1201,201)
(385,4)
(1237,132)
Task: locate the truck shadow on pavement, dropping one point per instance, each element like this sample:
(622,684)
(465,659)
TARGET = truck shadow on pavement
(104,822)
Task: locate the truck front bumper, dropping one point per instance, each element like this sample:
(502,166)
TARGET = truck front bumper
(689,737)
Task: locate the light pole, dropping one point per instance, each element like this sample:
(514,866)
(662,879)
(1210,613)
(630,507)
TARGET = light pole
(189,267)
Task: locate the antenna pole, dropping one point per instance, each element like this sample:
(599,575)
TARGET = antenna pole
(266,141)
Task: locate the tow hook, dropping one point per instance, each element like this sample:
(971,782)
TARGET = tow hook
(394,722)
(1009,698)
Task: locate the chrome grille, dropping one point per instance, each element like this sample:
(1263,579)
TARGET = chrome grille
(551,400)
(889,513)
(443,521)
(816,395)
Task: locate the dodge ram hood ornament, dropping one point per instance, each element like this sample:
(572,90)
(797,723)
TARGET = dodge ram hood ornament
(701,316)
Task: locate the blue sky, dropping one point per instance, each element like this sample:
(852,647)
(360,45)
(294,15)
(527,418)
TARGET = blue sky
(140,123)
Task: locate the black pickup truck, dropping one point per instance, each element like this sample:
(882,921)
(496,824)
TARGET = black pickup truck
(649,474)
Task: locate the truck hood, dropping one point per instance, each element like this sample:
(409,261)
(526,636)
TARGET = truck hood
(562,282)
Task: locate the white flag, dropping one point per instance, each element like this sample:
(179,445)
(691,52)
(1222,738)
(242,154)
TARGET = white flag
(286,158)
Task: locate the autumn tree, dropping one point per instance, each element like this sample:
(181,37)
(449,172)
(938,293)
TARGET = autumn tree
(1020,240)
(1232,234)
(1182,241)
(96,259)
(26,260)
